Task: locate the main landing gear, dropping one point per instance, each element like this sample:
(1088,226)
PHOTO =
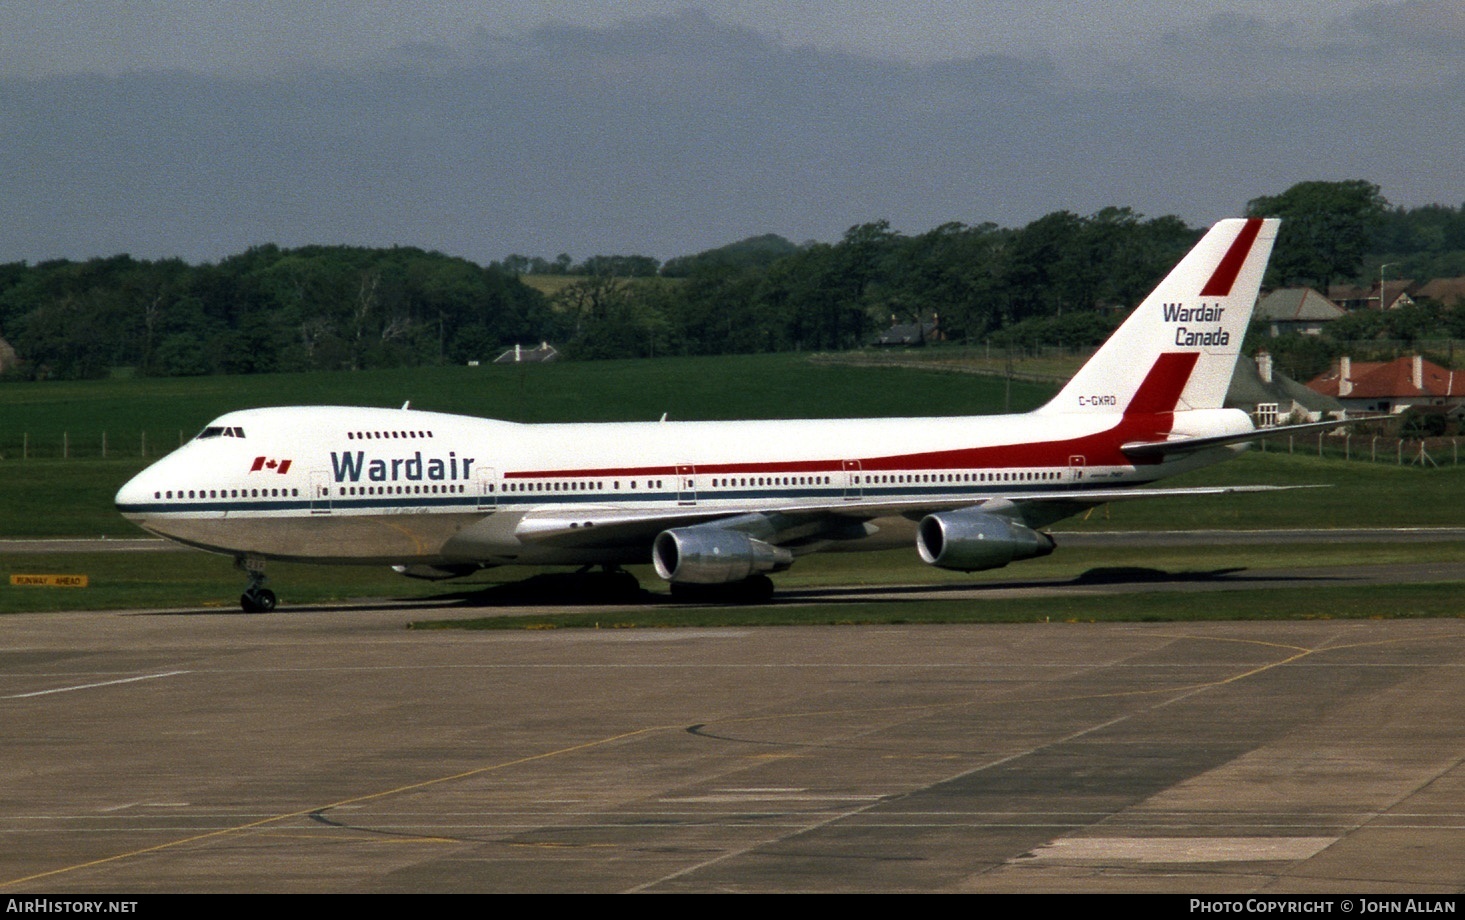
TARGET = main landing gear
(612,583)
(256,597)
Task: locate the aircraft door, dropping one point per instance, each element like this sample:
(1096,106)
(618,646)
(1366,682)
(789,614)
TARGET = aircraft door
(854,486)
(1075,468)
(686,484)
(486,484)
(320,492)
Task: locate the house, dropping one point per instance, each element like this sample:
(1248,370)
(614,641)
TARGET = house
(1357,297)
(1391,386)
(918,333)
(1448,292)
(1302,310)
(1272,398)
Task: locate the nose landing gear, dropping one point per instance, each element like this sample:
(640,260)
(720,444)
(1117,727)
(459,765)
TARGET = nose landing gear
(256,597)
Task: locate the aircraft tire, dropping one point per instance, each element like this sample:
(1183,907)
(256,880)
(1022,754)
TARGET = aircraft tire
(261,601)
(757,589)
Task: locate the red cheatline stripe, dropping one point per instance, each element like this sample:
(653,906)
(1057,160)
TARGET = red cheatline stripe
(1097,449)
(1230,267)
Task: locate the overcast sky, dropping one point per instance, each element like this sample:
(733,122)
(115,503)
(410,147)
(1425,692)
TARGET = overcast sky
(197,129)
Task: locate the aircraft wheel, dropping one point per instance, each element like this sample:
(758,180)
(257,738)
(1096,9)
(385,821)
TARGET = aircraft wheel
(260,601)
(755,590)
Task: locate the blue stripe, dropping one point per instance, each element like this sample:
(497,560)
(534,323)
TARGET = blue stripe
(539,499)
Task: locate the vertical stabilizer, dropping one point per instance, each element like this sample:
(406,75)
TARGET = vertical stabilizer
(1178,349)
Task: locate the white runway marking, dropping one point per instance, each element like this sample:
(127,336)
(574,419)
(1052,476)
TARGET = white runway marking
(1180,849)
(105,683)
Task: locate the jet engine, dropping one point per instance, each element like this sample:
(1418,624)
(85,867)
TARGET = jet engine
(971,540)
(714,556)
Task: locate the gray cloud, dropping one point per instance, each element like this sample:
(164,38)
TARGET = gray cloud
(1384,47)
(1435,28)
(668,135)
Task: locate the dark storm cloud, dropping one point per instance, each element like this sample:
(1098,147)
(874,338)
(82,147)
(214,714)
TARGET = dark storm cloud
(669,135)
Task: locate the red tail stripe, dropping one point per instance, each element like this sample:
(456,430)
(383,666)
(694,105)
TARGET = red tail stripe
(1230,267)
(1163,385)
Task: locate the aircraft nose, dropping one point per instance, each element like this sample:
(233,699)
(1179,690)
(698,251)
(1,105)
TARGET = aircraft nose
(135,494)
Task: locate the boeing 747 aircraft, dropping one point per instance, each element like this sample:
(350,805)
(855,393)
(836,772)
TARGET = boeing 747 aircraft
(715,506)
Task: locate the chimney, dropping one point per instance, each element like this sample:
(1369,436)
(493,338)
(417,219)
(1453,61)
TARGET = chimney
(1264,366)
(1416,373)
(1345,376)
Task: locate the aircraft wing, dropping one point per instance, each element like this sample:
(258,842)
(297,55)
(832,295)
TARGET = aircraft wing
(617,527)
(1143,450)
(620,527)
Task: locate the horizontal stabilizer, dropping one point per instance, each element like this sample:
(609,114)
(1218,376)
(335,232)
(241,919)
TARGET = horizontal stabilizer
(1099,496)
(1149,450)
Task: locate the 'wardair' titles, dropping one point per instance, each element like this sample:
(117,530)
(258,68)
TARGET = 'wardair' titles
(349,466)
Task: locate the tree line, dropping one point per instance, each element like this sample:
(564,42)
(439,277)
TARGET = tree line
(1063,279)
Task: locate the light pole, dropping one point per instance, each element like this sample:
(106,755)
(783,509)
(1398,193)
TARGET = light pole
(1381,283)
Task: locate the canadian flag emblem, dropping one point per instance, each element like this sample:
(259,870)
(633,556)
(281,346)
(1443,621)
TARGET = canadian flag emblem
(268,463)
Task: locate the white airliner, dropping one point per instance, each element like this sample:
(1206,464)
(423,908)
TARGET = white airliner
(717,505)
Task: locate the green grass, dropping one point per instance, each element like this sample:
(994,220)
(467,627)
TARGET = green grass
(1358,494)
(993,362)
(194,579)
(748,386)
(119,581)
(64,498)
(1374,603)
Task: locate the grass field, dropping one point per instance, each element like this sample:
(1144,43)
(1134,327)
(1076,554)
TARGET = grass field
(751,386)
(991,362)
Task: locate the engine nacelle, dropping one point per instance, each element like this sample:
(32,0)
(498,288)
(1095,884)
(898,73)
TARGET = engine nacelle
(714,556)
(968,541)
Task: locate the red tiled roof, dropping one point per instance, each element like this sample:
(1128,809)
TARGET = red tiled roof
(1392,379)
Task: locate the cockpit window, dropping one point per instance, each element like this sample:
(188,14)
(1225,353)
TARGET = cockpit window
(217,431)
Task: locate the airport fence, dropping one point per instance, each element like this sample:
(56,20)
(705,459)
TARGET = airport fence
(88,445)
(1368,448)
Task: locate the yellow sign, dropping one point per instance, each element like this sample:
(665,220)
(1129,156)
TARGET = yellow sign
(50,581)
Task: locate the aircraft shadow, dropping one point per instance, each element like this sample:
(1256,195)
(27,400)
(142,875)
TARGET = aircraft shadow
(566,589)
